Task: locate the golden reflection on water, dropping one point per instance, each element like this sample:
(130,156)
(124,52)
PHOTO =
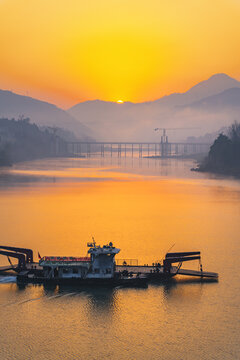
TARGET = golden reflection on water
(144,213)
(144,216)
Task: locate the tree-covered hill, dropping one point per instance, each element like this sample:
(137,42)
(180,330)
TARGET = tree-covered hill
(40,112)
(224,154)
(20,140)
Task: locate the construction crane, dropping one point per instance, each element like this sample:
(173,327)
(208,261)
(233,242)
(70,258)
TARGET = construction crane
(164,137)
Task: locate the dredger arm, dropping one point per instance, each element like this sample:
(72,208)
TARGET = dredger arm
(27,252)
(21,259)
(180,257)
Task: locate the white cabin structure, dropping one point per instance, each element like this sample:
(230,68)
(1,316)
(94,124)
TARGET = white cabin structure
(100,264)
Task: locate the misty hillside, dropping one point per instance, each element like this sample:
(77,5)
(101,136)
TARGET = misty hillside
(129,121)
(20,140)
(229,98)
(214,85)
(39,112)
(204,108)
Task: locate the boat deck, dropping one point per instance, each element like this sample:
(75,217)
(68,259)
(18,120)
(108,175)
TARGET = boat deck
(143,269)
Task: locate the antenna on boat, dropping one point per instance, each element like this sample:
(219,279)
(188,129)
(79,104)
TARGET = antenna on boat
(170,248)
(92,244)
(168,251)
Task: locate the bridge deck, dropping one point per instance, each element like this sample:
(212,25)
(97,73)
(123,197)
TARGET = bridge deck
(134,143)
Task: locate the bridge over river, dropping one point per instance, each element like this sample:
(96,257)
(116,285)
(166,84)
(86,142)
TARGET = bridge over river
(140,149)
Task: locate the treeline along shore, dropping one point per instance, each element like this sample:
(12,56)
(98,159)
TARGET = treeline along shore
(224,155)
(21,140)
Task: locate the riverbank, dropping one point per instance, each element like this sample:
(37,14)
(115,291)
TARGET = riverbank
(224,155)
(229,173)
(22,141)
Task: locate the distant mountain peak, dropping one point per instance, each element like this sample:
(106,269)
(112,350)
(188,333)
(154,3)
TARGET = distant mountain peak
(217,83)
(221,76)
(214,85)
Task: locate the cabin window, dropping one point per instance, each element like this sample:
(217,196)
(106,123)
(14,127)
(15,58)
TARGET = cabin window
(65,271)
(96,271)
(108,271)
(75,270)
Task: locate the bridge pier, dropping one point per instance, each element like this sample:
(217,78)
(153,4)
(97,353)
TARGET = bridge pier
(162,149)
(176,149)
(140,150)
(88,150)
(119,150)
(170,149)
(102,150)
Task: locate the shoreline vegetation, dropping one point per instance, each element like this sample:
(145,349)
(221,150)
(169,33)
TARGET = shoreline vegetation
(21,140)
(224,155)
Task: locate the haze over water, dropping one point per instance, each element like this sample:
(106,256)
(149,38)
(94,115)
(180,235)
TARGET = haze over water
(143,206)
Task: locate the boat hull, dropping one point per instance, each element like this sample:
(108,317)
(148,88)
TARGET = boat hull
(78,282)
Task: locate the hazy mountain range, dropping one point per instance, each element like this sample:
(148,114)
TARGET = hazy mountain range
(40,112)
(206,107)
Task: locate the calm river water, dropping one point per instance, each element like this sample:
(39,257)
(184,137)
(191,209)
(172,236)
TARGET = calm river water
(143,206)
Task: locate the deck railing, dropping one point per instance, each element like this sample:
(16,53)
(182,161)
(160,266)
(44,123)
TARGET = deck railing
(127,262)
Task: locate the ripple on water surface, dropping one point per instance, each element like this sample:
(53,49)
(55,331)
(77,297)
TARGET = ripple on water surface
(144,207)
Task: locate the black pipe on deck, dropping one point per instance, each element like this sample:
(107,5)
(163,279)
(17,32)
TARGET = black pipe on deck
(171,260)
(27,252)
(175,254)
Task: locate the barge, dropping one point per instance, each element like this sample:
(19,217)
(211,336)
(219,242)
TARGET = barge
(97,268)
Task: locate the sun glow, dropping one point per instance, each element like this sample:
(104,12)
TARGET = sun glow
(120,101)
(78,52)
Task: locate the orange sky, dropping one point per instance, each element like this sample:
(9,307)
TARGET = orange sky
(135,50)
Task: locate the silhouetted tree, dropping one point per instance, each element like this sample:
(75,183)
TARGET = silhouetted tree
(224,154)
(234,134)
